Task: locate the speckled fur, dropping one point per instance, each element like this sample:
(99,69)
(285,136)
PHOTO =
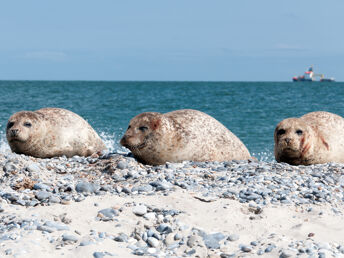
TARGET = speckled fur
(53,132)
(181,135)
(322,139)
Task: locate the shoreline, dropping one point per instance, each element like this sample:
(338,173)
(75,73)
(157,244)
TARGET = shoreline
(112,205)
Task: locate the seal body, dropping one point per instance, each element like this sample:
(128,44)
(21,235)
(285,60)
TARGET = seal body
(315,138)
(180,135)
(51,132)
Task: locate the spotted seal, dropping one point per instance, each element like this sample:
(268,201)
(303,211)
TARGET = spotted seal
(315,138)
(51,132)
(187,134)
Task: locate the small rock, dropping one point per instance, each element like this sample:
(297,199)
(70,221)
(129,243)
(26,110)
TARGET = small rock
(86,242)
(107,214)
(42,195)
(122,165)
(140,210)
(191,241)
(85,187)
(69,238)
(98,255)
(153,242)
(8,251)
(121,238)
(149,216)
(33,168)
(233,237)
(9,167)
(245,248)
(56,225)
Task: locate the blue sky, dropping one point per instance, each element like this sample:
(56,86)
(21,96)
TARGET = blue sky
(170,40)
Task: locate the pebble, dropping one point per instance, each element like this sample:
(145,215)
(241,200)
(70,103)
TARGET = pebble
(140,210)
(122,165)
(42,195)
(211,241)
(245,248)
(33,168)
(107,214)
(69,238)
(121,238)
(153,242)
(57,226)
(233,237)
(85,187)
(98,254)
(191,241)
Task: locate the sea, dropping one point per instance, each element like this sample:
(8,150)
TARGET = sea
(251,110)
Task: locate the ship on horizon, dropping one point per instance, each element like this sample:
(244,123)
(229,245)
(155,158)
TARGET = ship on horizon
(310,76)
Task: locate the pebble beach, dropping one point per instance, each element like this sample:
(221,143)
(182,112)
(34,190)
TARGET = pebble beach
(114,206)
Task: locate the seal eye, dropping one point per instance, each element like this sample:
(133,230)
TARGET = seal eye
(299,132)
(27,124)
(143,128)
(280,132)
(129,127)
(10,124)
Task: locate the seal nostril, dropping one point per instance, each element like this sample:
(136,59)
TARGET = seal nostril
(287,140)
(14,132)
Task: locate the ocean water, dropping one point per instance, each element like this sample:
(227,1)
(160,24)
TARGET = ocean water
(251,110)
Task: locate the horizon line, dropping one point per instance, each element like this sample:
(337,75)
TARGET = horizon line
(94,80)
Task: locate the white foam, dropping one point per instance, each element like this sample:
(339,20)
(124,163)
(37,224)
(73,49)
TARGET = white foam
(4,147)
(266,156)
(111,141)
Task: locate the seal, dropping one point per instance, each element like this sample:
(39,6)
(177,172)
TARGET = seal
(51,132)
(187,134)
(315,138)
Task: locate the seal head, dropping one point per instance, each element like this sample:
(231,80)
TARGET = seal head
(293,142)
(141,136)
(22,129)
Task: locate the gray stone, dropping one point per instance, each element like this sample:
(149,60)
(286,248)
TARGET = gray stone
(58,226)
(86,242)
(122,165)
(140,210)
(33,168)
(269,248)
(191,241)
(211,241)
(69,238)
(85,187)
(8,251)
(233,237)
(121,238)
(45,229)
(40,186)
(10,167)
(164,228)
(245,248)
(42,195)
(178,236)
(107,214)
(54,199)
(98,254)
(153,242)
(149,215)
